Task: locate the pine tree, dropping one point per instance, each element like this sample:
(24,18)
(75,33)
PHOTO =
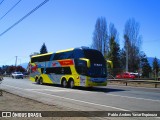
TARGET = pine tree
(43,49)
(114,55)
(155,66)
(114,49)
(146,68)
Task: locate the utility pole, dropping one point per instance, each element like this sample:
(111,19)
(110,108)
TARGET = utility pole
(16,61)
(127,42)
(127,59)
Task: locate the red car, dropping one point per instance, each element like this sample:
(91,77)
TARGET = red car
(125,76)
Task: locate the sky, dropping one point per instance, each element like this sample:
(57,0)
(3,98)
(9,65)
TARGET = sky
(63,24)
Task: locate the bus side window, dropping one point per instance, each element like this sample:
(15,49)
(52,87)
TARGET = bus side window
(81,66)
(68,55)
(78,54)
(64,55)
(41,58)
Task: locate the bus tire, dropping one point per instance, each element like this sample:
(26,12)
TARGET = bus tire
(41,81)
(37,80)
(64,82)
(71,83)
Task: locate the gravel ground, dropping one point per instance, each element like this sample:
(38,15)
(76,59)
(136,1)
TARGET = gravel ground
(11,102)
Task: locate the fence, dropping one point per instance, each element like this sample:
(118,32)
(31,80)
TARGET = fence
(124,81)
(112,72)
(1,78)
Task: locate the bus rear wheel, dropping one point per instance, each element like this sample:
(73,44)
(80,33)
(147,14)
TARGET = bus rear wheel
(64,83)
(71,84)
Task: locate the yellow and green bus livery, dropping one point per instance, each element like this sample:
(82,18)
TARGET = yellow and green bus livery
(73,67)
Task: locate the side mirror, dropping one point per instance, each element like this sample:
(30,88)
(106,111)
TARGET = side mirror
(87,62)
(81,63)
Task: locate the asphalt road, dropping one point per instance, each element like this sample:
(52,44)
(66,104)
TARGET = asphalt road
(109,98)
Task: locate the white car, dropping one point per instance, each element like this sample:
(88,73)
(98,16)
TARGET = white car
(17,75)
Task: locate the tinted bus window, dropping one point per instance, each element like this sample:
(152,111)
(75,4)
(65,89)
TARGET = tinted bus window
(78,53)
(41,58)
(94,56)
(59,70)
(63,55)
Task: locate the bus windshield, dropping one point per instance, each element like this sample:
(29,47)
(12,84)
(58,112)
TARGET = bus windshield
(97,64)
(94,56)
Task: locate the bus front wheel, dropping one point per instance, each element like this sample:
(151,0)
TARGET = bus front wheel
(36,80)
(41,81)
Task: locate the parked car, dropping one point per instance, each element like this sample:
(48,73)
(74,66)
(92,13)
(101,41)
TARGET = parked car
(17,75)
(159,75)
(125,75)
(1,76)
(137,75)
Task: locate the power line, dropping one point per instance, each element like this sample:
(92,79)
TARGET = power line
(11,60)
(32,11)
(7,60)
(1,2)
(10,9)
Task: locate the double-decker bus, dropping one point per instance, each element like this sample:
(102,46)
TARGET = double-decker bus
(73,67)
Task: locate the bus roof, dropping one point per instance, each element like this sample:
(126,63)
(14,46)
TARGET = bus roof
(42,54)
(71,49)
(65,50)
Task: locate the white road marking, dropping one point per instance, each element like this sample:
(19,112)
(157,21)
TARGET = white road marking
(70,99)
(84,92)
(56,90)
(134,97)
(83,101)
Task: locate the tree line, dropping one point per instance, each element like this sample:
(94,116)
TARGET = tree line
(8,69)
(130,58)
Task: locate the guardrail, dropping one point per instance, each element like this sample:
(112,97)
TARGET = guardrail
(126,81)
(1,78)
(25,76)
